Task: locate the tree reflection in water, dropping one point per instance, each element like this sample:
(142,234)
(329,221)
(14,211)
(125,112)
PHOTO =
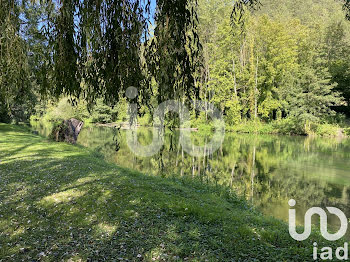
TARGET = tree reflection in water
(267,170)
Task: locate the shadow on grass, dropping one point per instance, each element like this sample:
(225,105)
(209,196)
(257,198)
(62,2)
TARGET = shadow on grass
(62,204)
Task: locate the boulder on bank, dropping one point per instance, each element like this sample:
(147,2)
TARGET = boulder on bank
(67,131)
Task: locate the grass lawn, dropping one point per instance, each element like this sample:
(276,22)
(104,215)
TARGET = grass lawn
(62,202)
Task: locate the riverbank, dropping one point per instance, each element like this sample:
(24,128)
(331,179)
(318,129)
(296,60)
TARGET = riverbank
(126,126)
(290,127)
(277,127)
(61,202)
(286,126)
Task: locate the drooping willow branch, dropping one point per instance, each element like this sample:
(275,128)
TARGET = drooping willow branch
(347,8)
(99,43)
(98,48)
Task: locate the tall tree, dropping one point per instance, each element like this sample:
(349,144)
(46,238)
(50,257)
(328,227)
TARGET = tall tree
(15,76)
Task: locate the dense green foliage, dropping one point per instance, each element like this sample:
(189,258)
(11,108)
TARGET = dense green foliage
(269,66)
(17,86)
(284,63)
(100,43)
(260,63)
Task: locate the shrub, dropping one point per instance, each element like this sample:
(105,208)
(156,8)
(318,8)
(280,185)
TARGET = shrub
(145,120)
(346,131)
(233,112)
(327,130)
(289,126)
(58,130)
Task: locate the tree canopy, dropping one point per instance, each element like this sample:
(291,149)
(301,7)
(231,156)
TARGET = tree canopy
(97,49)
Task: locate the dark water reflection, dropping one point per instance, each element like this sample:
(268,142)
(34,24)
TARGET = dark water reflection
(267,170)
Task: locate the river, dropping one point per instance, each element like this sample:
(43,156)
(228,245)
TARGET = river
(267,170)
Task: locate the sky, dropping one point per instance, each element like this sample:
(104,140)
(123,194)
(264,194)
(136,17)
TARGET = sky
(151,18)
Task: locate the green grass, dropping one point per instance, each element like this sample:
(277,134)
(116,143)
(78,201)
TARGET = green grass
(61,202)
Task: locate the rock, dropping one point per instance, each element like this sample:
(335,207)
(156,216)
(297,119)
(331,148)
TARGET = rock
(67,131)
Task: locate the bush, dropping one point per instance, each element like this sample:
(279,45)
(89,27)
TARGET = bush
(145,120)
(103,113)
(252,127)
(196,122)
(327,130)
(286,126)
(346,131)
(289,126)
(62,110)
(233,112)
(58,130)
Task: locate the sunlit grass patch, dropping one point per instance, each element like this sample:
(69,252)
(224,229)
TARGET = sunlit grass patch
(60,203)
(105,230)
(62,197)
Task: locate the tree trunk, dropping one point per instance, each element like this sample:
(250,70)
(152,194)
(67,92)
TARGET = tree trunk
(256,89)
(234,75)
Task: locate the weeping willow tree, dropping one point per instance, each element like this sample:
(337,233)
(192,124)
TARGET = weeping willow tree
(94,46)
(99,43)
(347,8)
(15,78)
(99,48)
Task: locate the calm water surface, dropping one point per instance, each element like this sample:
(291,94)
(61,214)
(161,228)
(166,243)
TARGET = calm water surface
(266,170)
